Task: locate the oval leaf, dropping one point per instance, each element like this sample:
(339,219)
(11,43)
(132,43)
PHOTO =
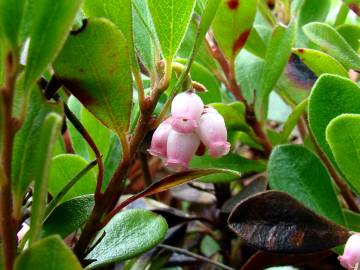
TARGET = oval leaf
(274,221)
(48,34)
(232,25)
(68,216)
(63,168)
(50,252)
(95,66)
(171,19)
(128,234)
(331,96)
(342,134)
(296,170)
(332,42)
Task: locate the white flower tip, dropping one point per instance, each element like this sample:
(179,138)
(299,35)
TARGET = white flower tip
(176,165)
(219,149)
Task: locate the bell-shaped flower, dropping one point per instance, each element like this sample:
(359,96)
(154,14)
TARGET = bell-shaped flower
(212,132)
(160,138)
(180,149)
(186,109)
(351,255)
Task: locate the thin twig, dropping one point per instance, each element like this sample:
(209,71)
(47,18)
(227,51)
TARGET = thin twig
(196,256)
(145,168)
(85,134)
(9,128)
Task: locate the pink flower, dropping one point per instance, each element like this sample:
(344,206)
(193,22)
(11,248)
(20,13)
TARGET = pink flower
(186,109)
(212,132)
(180,149)
(351,254)
(160,138)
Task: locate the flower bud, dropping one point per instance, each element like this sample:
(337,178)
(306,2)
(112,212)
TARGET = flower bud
(180,149)
(160,138)
(186,109)
(212,132)
(351,254)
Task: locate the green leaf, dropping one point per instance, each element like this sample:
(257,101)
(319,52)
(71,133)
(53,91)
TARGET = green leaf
(47,35)
(51,253)
(230,161)
(10,21)
(49,131)
(331,96)
(26,145)
(128,234)
(342,134)
(332,42)
(320,62)
(247,70)
(352,219)
(232,25)
(296,170)
(311,11)
(234,115)
(171,19)
(255,44)
(293,119)
(68,216)
(63,168)
(94,66)
(276,58)
(209,246)
(354,5)
(351,33)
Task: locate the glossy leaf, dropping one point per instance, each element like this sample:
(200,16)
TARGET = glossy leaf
(10,21)
(26,145)
(331,96)
(51,252)
(171,20)
(352,219)
(274,221)
(128,234)
(332,42)
(68,216)
(230,161)
(342,135)
(175,180)
(299,172)
(232,25)
(320,62)
(48,35)
(63,168)
(94,66)
(49,131)
(276,58)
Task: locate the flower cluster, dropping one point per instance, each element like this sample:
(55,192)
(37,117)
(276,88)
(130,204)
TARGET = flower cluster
(351,255)
(191,123)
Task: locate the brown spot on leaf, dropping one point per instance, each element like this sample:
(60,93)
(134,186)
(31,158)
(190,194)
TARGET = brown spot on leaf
(300,50)
(233,4)
(240,42)
(76,88)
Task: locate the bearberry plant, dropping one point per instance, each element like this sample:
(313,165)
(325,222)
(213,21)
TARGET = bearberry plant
(179,134)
